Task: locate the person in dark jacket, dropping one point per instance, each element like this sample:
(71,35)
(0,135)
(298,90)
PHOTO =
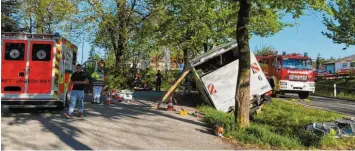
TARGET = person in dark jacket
(158,78)
(78,82)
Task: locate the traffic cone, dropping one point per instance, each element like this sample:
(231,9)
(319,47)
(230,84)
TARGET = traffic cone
(170,103)
(108,99)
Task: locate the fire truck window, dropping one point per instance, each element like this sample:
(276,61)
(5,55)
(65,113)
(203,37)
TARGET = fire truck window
(352,64)
(279,64)
(14,51)
(41,52)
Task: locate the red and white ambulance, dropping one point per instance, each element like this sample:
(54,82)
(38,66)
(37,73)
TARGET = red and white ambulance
(36,69)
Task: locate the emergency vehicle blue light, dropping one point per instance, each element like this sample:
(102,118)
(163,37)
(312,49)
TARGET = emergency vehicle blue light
(306,54)
(56,34)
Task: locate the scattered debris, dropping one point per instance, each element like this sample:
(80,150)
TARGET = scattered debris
(218,130)
(183,112)
(344,127)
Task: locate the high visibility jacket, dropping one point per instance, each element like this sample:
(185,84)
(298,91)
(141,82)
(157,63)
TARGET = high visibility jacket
(98,78)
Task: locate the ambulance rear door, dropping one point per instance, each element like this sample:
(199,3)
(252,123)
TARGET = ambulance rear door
(13,70)
(40,66)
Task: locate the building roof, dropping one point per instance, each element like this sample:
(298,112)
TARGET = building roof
(352,58)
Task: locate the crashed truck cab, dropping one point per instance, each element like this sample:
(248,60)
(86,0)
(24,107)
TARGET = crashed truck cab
(216,74)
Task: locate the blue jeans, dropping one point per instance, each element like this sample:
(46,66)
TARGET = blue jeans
(76,95)
(97,93)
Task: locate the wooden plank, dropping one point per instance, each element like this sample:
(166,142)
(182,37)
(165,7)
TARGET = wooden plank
(182,77)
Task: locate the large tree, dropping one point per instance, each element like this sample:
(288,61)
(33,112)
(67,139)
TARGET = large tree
(341,25)
(247,10)
(9,22)
(113,23)
(46,16)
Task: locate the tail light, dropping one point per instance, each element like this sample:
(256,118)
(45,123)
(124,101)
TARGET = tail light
(268,93)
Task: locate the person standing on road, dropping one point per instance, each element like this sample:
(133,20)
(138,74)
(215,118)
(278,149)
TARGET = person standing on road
(78,82)
(98,84)
(158,78)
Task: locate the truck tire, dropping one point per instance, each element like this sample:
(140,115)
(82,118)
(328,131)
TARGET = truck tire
(60,106)
(303,94)
(274,92)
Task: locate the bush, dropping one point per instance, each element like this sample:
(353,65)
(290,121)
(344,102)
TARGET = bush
(148,76)
(345,88)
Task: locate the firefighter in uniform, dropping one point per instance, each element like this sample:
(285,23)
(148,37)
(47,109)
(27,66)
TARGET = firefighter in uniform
(98,83)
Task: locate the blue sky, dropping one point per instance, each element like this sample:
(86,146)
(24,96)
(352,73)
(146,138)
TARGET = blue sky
(304,37)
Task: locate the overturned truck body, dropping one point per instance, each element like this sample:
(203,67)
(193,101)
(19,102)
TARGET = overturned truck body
(216,73)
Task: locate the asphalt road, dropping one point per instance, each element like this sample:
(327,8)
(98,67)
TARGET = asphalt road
(106,127)
(342,106)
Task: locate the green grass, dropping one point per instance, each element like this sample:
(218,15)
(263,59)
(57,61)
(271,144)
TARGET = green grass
(281,125)
(345,88)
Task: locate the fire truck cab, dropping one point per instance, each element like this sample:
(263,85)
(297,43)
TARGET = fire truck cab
(289,73)
(36,69)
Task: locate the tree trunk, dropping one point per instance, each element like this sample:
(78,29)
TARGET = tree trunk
(243,82)
(123,29)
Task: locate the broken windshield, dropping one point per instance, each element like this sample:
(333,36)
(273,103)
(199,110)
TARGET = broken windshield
(297,63)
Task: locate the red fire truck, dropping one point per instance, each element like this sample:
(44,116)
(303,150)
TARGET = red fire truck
(36,69)
(289,73)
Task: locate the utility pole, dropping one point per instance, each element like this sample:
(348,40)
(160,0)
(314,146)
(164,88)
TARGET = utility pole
(167,61)
(82,52)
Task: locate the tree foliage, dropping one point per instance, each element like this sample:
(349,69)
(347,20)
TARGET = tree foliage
(9,20)
(341,25)
(245,14)
(46,16)
(263,50)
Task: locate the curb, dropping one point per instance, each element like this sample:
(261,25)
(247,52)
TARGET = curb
(332,97)
(320,108)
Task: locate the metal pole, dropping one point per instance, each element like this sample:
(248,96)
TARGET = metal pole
(82,52)
(335,90)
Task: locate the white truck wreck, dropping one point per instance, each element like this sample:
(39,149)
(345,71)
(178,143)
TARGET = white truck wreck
(216,73)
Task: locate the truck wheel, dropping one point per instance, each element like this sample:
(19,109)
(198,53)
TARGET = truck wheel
(60,106)
(274,92)
(303,94)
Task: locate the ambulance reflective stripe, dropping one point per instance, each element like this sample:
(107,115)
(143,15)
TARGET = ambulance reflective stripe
(56,69)
(255,68)
(212,89)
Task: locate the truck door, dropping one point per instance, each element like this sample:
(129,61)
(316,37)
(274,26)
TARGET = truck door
(13,71)
(278,67)
(40,67)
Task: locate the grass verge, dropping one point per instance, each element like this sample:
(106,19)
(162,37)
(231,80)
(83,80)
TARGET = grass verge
(345,88)
(281,125)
